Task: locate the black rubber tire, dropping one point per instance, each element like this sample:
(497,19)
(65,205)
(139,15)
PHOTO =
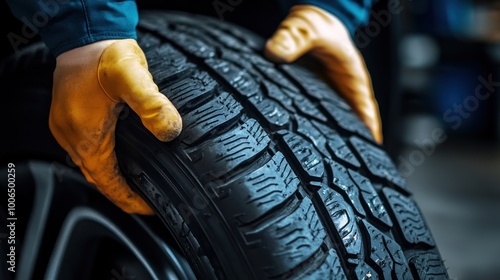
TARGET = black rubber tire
(273,176)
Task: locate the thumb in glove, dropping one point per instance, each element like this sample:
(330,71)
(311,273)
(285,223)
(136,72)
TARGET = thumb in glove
(308,29)
(90,86)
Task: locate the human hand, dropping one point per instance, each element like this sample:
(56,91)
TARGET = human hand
(309,29)
(91,85)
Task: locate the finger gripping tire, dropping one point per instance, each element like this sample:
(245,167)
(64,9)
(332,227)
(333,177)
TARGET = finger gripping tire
(273,176)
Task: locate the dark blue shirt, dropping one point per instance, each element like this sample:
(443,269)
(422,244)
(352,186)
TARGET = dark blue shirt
(353,13)
(67,24)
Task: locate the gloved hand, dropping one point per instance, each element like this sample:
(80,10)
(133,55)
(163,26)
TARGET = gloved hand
(91,84)
(309,29)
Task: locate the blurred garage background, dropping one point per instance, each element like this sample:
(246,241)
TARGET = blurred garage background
(435,67)
(436,71)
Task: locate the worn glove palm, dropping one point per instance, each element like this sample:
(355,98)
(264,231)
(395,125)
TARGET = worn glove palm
(91,85)
(308,29)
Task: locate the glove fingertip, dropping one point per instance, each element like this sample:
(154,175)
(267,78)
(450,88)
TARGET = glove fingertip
(272,56)
(174,129)
(167,124)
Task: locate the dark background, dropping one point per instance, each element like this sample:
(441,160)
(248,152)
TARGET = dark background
(426,60)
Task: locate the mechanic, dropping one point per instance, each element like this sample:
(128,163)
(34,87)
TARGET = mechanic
(100,67)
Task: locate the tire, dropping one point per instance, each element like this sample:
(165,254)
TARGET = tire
(273,176)
(65,229)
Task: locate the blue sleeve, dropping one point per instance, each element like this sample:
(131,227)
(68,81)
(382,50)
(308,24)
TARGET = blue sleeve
(67,24)
(353,13)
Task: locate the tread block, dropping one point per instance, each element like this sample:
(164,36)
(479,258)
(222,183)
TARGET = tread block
(313,85)
(336,145)
(344,220)
(249,39)
(275,115)
(147,41)
(222,154)
(371,198)
(188,92)
(365,272)
(428,266)
(189,43)
(237,77)
(229,42)
(409,218)
(378,162)
(306,129)
(256,194)
(306,107)
(224,110)
(239,61)
(309,159)
(387,254)
(276,93)
(202,34)
(272,74)
(331,268)
(256,60)
(347,120)
(167,64)
(282,244)
(343,184)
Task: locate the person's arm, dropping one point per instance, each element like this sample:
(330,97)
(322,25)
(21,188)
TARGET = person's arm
(99,68)
(67,24)
(312,29)
(352,13)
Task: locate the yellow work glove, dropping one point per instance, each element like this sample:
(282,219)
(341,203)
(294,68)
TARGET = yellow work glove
(91,85)
(309,29)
